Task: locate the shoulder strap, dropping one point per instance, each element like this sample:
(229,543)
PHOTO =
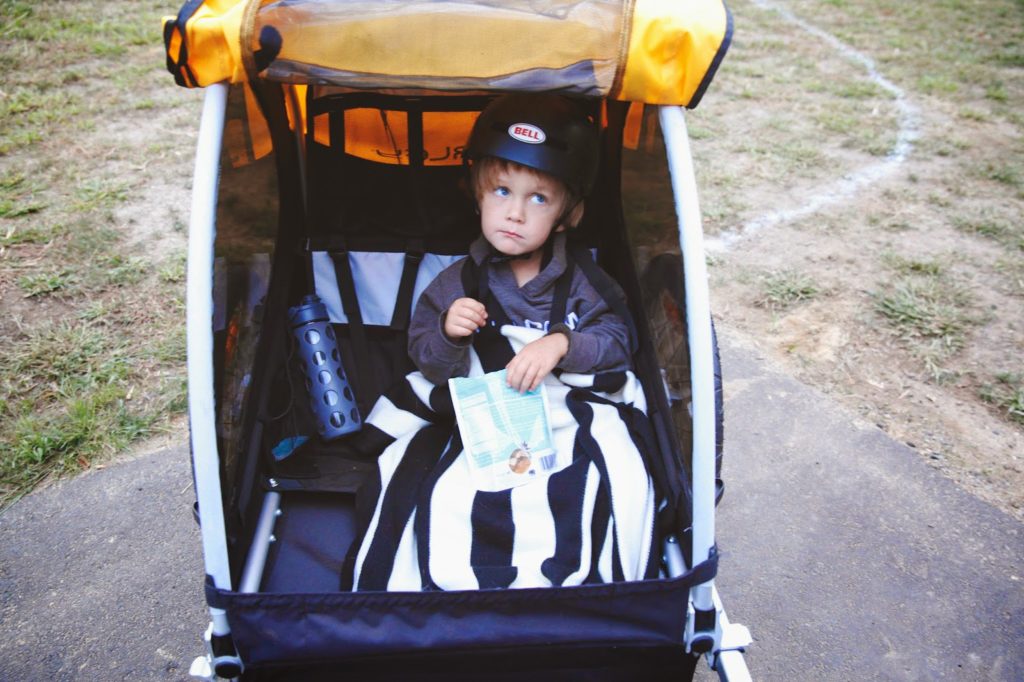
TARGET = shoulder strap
(403,301)
(563,287)
(604,284)
(357,332)
(493,349)
(476,284)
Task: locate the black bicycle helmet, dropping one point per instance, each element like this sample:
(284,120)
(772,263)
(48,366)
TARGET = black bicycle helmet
(546,132)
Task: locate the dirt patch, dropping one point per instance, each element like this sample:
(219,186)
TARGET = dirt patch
(915,319)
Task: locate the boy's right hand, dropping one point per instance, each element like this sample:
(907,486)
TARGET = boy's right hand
(464,317)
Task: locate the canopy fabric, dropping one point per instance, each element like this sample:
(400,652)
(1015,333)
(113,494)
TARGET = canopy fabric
(650,51)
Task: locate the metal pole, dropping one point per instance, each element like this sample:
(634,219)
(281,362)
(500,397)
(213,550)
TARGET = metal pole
(199,335)
(262,537)
(698,322)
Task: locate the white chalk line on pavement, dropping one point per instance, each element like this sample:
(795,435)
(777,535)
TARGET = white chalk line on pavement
(848,185)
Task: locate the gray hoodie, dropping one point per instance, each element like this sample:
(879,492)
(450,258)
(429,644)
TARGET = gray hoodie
(599,340)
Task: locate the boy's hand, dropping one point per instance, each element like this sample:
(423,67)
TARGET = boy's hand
(464,317)
(535,361)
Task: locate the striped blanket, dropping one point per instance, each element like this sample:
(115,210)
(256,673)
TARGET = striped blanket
(425,526)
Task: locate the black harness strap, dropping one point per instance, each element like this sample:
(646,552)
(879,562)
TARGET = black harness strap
(475,282)
(493,349)
(307,256)
(604,284)
(560,299)
(403,301)
(474,279)
(357,331)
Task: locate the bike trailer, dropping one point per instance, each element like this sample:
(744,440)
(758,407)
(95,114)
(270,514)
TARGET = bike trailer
(329,189)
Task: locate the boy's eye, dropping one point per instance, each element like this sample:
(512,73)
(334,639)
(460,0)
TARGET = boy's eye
(539,199)
(501,191)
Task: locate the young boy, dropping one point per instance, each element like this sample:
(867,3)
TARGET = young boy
(533,157)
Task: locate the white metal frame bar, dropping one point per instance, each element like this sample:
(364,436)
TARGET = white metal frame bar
(702,374)
(698,322)
(199,338)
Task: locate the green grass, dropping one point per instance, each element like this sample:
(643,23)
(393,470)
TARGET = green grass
(100,193)
(805,104)
(912,266)
(960,64)
(23,234)
(860,89)
(94,355)
(960,51)
(172,271)
(1006,394)
(58,58)
(42,283)
(973,114)
(997,92)
(992,223)
(1004,173)
(927,310)
(780,289)
(17,197)
(10,209)
(70,406)
(1011,272)
(76,391)
(123,271)
(937,85)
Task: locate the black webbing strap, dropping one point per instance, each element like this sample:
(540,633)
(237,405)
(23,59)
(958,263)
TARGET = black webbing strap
(307,258)
(560,298)
(493,349)
(482,283)
(357,331)
(403,301)
(605,286)
(417,154)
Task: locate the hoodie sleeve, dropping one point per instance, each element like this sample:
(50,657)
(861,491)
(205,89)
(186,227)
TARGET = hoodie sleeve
(434,354)
(600,341)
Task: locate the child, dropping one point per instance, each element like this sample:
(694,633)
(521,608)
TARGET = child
(533,159)
(590,518)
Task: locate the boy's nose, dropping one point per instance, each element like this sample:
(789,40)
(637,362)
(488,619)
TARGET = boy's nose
(516,211)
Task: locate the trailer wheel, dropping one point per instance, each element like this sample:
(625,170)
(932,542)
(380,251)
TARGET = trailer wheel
(665,305)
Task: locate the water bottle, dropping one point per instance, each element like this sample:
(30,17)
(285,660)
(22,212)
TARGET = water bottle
(330,395)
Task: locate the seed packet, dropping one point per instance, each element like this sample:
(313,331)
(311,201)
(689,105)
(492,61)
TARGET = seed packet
(506,434)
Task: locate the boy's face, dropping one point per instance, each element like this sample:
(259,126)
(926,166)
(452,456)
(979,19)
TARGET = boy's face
(519,208)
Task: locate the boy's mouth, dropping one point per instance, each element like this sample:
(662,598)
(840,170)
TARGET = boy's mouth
(510,234)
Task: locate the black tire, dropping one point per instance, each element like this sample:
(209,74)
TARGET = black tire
(665,303)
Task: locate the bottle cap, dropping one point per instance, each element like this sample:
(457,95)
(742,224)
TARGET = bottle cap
(311,309)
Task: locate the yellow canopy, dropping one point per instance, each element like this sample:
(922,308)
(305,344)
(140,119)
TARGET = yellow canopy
(650,51)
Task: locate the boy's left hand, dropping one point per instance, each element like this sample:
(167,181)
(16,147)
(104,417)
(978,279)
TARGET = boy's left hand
(535,361)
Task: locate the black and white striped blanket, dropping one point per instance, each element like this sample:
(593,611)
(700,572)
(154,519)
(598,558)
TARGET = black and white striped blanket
(426,526)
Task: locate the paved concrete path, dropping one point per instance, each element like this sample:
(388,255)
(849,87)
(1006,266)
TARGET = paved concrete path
(101,577)
(847,556)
